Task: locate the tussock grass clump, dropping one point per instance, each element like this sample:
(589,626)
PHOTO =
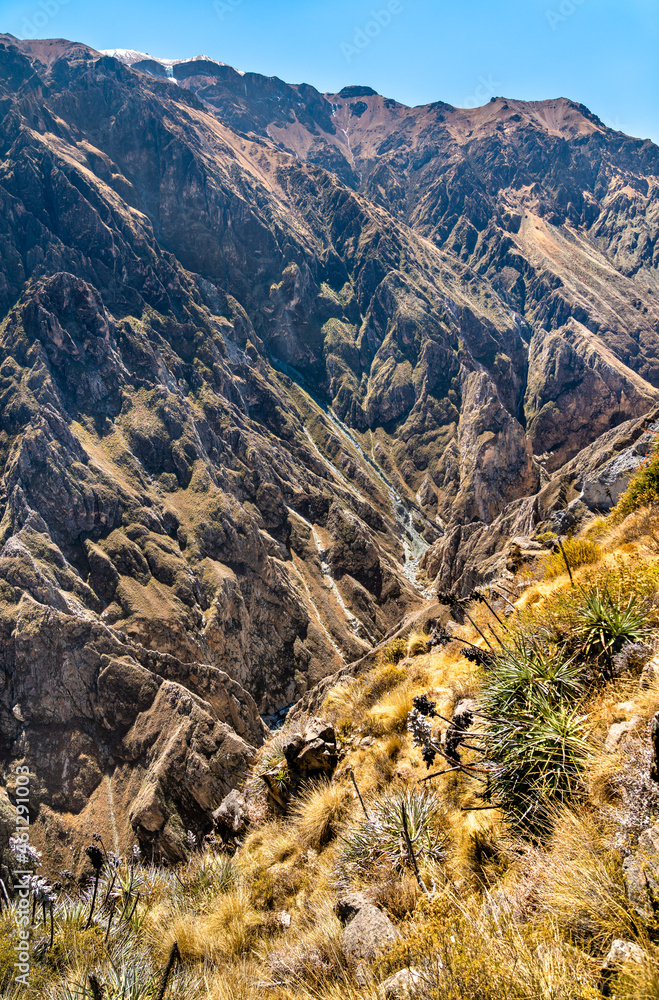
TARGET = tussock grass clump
(389,714)
(418,643)
(383,678)
(579,882)
(319,812)
(579,552)
(227,931)
(638,980)
(374,847)
(311,956)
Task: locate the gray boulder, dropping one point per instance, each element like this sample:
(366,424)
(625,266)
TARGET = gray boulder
(401,985)
(229,818)
(620,954)
(367,934)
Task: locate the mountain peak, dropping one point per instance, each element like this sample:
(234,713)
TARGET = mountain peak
(357,91)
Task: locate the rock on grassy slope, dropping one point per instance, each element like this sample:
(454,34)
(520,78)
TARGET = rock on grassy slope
(243,387)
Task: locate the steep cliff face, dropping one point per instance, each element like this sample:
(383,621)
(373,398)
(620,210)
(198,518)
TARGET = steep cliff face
(557,211)
(241,391)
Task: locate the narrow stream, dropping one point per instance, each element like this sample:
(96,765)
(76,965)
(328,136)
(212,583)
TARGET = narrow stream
(414,545)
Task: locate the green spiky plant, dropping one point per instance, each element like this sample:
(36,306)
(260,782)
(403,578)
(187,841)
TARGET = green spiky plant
(605,624)
(375,845)
(528,670)
(535,758)
(534,742)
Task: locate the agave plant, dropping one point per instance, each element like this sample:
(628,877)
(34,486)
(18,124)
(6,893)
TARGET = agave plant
(534,758)
(604,625)
(376,844)
(528,671)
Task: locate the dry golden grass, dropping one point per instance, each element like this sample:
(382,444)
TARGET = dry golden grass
(417,643)
(310,952)
(471,947)
(227,931)
(319,812)
(579,552)
(389,714)
(579,882)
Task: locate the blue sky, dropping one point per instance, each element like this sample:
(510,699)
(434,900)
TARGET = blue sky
(603,53)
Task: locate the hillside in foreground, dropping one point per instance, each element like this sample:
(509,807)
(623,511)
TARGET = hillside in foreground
(512,739)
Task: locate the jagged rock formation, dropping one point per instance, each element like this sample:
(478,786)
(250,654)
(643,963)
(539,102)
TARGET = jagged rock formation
(470,555)
(190,536)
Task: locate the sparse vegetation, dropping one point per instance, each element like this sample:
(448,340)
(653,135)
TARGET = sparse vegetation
(578,551)
(643,487)
(519,831)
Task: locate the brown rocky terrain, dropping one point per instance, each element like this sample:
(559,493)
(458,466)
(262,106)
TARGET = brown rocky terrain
(260,348)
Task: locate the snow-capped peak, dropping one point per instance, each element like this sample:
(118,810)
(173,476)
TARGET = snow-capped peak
(131,56)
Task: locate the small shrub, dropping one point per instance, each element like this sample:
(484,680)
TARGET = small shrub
(394,651)
(579,552)
(643,487)
(418,643)
(375,847)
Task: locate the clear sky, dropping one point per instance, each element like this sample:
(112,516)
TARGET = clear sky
(602,53)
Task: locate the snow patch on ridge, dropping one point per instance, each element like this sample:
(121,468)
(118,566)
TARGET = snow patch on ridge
(131,56)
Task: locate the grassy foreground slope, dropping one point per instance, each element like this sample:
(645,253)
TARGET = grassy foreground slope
(523,845)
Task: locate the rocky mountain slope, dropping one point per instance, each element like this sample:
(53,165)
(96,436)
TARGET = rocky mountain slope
(260,348)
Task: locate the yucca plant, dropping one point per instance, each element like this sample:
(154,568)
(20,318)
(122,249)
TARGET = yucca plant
(533,739)
(375,845)
(272,763)
(528,671)
(535,757)
(604,625)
